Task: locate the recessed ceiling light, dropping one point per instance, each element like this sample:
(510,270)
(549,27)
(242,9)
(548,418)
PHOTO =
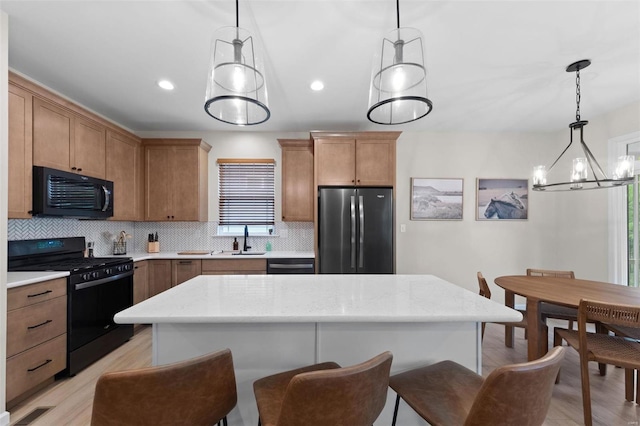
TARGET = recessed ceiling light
(317,85)
(165,84)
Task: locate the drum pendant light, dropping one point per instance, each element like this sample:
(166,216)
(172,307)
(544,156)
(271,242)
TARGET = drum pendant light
(583,172)
(236,87)
(398,91)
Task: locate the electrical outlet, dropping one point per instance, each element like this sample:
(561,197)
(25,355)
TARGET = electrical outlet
(403,227)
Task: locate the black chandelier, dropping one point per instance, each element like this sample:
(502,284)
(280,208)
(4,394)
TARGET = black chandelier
(579,176)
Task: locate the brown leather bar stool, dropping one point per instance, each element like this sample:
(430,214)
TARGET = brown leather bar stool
(447,393)
(199,391)
(325,394)
(485,291)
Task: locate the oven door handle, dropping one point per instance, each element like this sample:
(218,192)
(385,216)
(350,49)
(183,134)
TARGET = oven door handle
(102,281)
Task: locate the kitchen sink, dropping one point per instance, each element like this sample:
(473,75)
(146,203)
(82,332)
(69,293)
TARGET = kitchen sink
(249,253)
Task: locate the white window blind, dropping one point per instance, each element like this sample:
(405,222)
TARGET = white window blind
(247,194)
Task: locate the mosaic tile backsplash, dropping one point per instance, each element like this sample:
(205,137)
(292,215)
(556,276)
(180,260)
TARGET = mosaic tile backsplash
(173,236)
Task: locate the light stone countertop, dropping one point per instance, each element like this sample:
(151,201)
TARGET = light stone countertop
(315,298)
(219,255)
(17,279)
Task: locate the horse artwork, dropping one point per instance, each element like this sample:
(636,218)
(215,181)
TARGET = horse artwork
(504,210)
(502,199)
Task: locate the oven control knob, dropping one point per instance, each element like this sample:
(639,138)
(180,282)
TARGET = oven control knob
(85,277)
(95,275)
(119,268)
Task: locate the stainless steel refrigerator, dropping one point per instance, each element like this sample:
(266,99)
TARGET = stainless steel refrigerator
(355,234)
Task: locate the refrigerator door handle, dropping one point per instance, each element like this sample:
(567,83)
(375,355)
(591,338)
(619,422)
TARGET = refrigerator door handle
(361,245)
(353,232)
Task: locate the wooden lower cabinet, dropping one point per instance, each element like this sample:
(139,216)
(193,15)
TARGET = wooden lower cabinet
(183,270)
(234,267)
(159,276)
(140,281)
(36,336)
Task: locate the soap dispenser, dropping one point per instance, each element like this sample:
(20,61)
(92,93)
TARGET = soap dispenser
(235,243)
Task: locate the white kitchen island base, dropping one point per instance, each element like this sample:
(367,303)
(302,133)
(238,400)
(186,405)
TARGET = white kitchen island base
(274,323)
(263,349)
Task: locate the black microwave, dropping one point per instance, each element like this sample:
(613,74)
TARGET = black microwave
(59,193)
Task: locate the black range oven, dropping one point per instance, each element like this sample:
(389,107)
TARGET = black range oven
(97,289)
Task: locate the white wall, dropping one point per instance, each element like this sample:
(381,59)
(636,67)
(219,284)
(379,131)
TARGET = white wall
(4,154)
(456,250)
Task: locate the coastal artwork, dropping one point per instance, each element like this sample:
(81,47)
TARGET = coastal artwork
(502,199)
(436,199)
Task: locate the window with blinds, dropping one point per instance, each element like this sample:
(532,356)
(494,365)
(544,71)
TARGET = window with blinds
(247,191)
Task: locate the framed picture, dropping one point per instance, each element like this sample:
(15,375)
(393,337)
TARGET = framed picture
(436,199)
(502,199)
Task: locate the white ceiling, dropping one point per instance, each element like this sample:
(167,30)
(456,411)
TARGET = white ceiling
(492,65)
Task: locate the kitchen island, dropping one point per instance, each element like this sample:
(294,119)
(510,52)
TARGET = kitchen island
(273,323)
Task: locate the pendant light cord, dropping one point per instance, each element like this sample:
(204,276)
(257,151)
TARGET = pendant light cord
(578,94)
(398,12)
(237,16)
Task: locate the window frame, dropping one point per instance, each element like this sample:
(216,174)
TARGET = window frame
(235,229)
(618,237)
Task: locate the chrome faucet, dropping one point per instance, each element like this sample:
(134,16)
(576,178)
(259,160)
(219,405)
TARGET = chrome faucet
(245,247)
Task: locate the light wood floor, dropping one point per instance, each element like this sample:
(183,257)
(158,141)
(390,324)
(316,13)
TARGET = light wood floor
(72,398)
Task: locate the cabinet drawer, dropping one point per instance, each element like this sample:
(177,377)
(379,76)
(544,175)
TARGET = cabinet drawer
(34,324)
(36,365)
(19,297)
(238,265)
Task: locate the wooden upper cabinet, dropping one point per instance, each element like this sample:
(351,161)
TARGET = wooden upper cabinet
(65,141)
(297,180)
(360,159)
(375,162)
(335,161)
(176,179)
(124,168)
(89,148)
(52,135)
(20,152)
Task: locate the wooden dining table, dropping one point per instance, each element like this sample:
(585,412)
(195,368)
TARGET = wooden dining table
(561,291)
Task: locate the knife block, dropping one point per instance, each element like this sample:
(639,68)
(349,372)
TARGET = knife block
(153,247)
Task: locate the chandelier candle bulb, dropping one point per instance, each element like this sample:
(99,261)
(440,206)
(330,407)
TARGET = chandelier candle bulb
(579,172)
(540,175)
(624,167)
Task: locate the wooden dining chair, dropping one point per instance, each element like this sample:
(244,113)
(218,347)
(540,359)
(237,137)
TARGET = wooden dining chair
(550,310)
(486,292)
(447,393)
(199,391)
(601,347)
(325,394)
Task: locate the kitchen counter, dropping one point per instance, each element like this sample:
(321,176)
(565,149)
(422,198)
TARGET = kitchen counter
(17,279)
(273,323)
(220,255)
(316,298)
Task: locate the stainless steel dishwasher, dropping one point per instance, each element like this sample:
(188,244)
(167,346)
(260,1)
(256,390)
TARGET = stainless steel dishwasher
(291,265)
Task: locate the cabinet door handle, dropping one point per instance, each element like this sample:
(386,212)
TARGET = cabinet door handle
(40,294)
(31,327)
(74,168)
(41,365)
(185,262)
(79,170)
